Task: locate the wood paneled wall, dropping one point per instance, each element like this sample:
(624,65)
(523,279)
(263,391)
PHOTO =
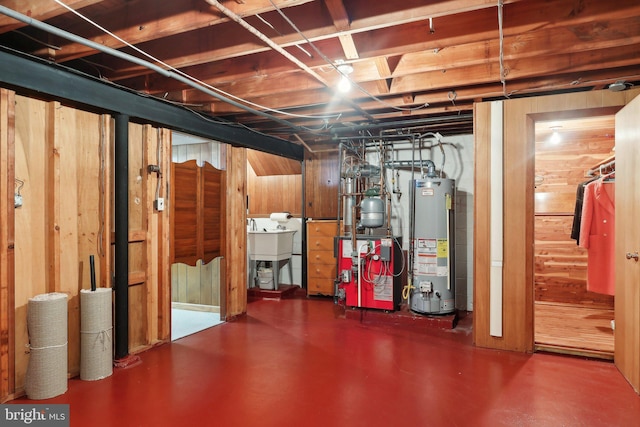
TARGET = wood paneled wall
(211,152)
(322,180)
(519,117)
(199,284)
(274,193)
(560,166)
(265,164)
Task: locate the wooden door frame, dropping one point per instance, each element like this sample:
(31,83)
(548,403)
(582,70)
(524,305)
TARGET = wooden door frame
(518,118)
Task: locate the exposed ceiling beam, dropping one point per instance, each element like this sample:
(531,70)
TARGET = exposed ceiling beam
(316,29)
(52,81)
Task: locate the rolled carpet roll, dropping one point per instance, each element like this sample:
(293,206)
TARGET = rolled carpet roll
(47,324)
(96,350)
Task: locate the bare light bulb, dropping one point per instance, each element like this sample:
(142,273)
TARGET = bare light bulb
(344,85)
(555,137)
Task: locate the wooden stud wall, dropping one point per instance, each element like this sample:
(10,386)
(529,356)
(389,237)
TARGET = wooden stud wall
(236,244)
(62,155)
(7,297)
(162,225)
(519,118)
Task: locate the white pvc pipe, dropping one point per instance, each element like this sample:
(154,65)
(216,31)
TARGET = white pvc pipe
(360,275)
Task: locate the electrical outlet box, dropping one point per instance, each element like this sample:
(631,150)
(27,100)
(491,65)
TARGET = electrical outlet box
(158,204)
(346,276)
(425,287)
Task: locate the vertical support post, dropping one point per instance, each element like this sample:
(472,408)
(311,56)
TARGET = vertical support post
(121,220)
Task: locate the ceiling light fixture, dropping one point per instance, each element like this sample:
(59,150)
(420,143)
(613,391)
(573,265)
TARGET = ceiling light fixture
(344,85)
(555,136)
(618,86)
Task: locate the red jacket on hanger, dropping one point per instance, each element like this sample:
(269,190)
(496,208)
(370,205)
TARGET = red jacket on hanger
(597,235)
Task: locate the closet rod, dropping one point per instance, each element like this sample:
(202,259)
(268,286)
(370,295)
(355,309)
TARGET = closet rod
(605,164)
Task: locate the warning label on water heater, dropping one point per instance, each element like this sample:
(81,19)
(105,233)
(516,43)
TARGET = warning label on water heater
(443,248)
(431,257)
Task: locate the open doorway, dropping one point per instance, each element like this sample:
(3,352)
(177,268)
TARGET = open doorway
(274,203)
(195,297)
(197,234)
(570,316)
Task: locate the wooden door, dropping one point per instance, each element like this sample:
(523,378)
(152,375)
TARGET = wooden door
(627,301)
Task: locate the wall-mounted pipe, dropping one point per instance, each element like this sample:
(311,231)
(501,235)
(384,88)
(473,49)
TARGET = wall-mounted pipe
(438,138)
(403,124)
(121,222)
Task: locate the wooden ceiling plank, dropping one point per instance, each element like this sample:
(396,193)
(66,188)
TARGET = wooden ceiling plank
(338,14)
(438,96)
(384,87)
(141,22)
(530,45)
(133,34)
(452,34)
(349,46)
(144,28)
(382,65)
(38,9)
(465,57)
(533,44)
(368,15)
(518,69)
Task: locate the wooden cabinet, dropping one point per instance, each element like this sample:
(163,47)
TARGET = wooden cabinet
(321,264)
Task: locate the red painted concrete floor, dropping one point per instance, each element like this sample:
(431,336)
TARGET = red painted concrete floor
(299,362)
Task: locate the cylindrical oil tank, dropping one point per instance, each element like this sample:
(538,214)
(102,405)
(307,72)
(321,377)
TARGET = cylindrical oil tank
(372,212)
(433,246)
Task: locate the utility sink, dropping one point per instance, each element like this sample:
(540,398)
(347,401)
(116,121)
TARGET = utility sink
(270,245)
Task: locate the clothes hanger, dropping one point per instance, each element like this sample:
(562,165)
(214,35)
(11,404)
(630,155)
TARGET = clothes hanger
(609,177)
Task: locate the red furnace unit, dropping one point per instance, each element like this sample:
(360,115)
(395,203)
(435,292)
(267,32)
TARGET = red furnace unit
(370,274)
